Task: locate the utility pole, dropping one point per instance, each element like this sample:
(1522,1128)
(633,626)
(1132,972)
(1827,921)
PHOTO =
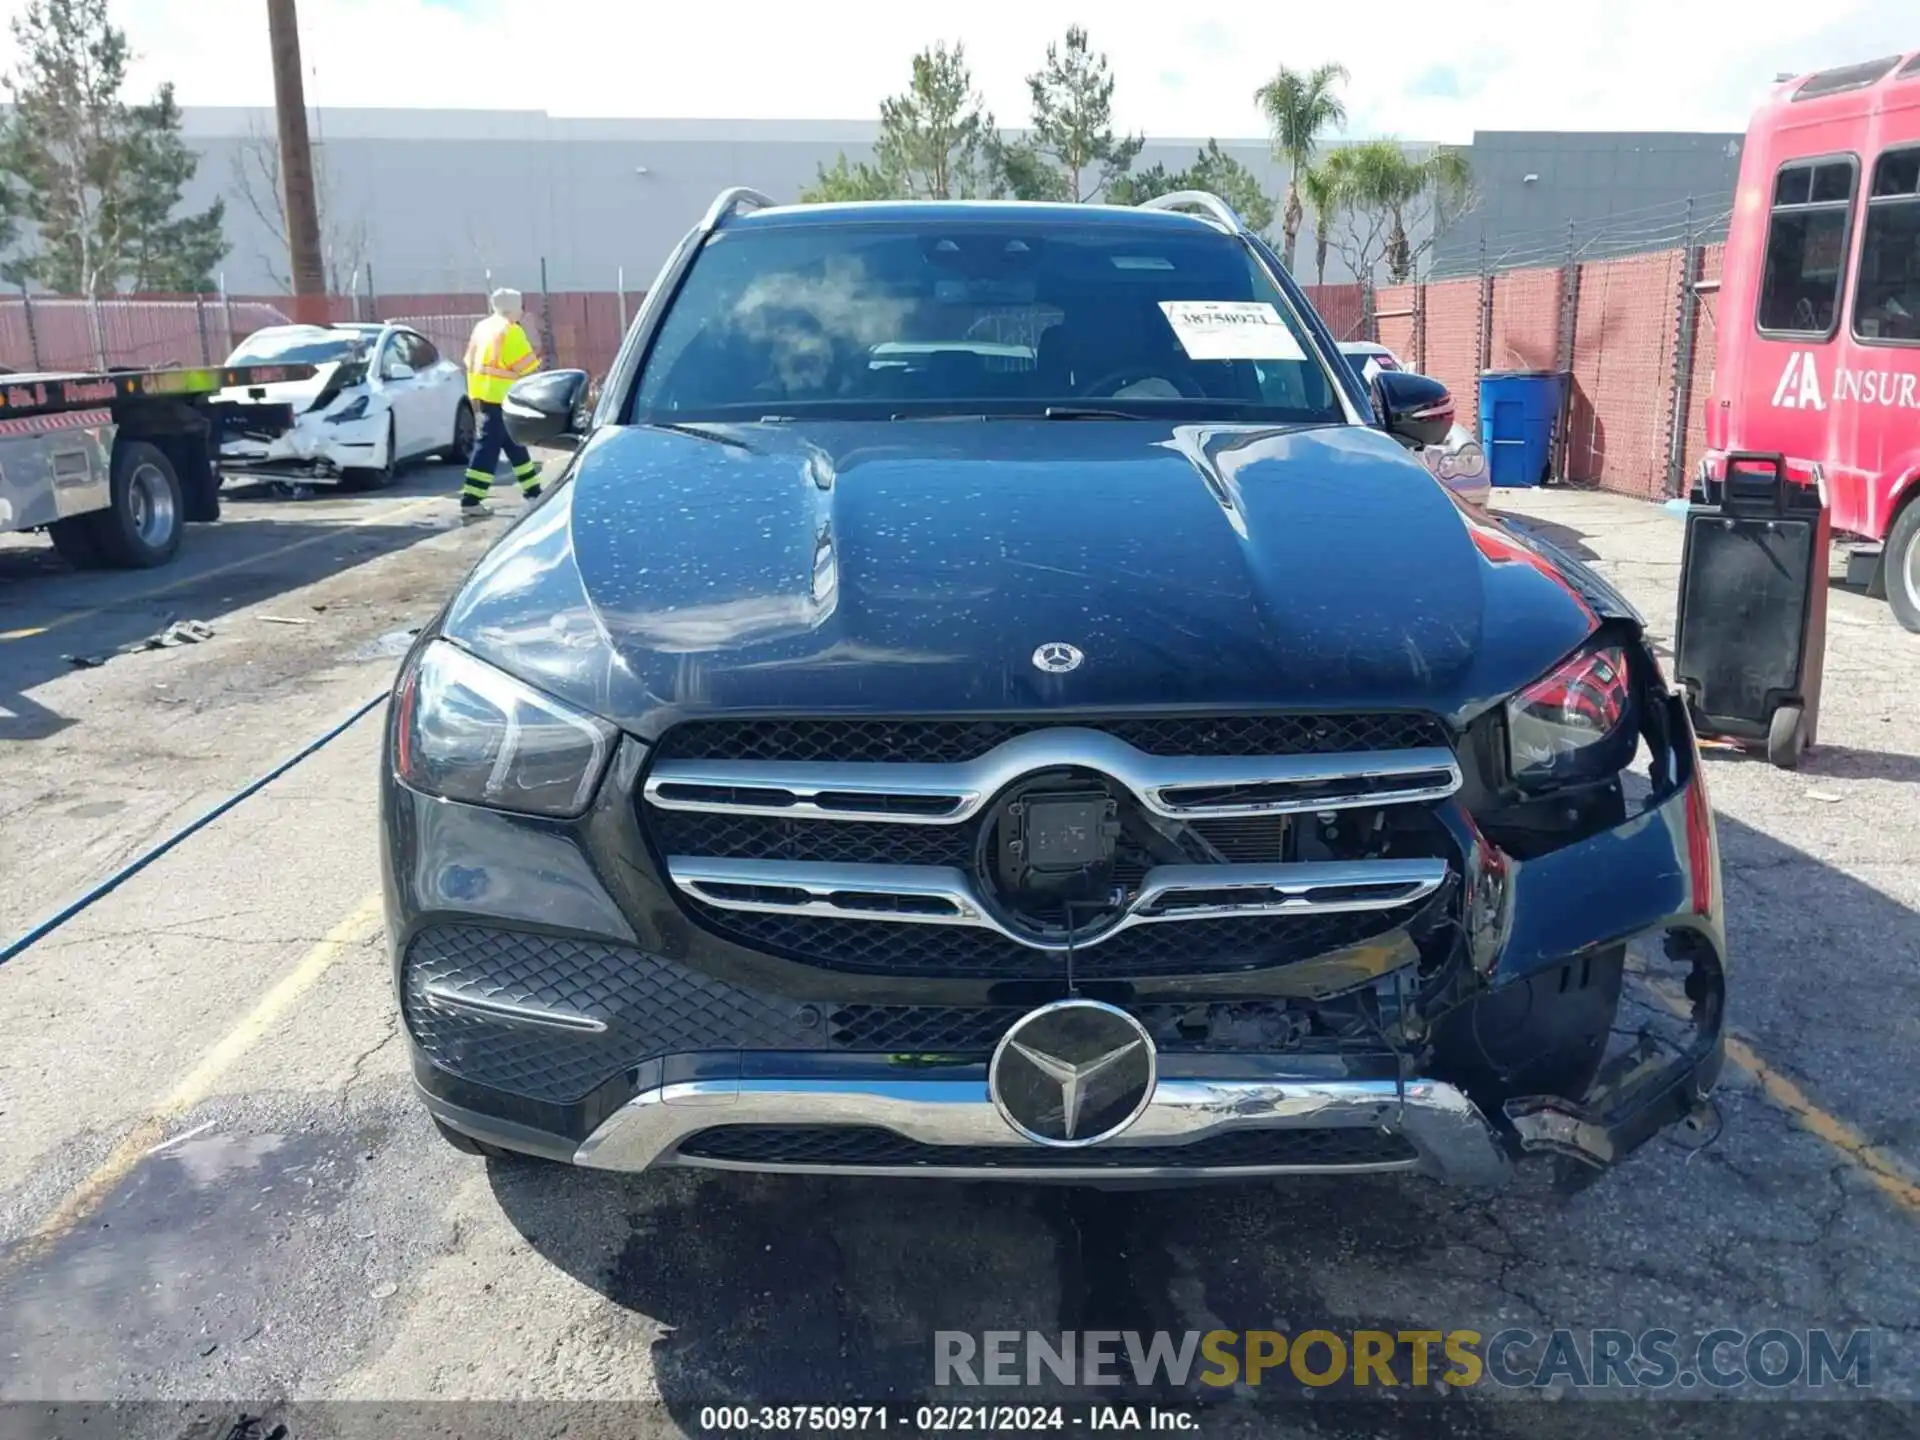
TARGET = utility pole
(296,166)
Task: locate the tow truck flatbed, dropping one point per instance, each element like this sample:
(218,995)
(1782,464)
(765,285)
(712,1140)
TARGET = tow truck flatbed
(110,464)
(50,392)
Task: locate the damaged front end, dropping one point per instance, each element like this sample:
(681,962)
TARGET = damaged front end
(338,430)
(1583,1007)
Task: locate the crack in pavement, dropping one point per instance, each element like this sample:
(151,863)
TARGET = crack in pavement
(359,1061)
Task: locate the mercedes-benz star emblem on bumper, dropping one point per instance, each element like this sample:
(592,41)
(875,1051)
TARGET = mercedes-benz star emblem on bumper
(1056,657)
(1072,1073)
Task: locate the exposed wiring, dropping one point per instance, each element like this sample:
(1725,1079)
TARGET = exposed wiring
(140,862)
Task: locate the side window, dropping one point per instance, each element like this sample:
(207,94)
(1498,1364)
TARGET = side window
(393,353)
(1886,296)
(1807,247)
(420,351)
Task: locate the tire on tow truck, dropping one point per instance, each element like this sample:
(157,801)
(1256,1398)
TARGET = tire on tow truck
(144,519)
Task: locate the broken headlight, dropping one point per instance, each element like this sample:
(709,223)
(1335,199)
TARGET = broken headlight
(1574,726)
(465,731)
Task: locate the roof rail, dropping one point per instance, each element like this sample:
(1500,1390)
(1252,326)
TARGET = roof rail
(1218,209)
(728,201)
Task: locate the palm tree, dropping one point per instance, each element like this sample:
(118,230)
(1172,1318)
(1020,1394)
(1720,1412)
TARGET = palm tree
(1323,187)
(1300,106)
(1379,175)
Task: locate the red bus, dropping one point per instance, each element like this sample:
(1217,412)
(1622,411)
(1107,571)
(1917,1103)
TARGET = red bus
(1819,310)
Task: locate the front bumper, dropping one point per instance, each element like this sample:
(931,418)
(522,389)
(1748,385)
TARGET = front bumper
(951,1128)
(314,448)
(586,1019)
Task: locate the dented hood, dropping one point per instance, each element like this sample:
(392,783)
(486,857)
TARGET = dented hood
(915,567)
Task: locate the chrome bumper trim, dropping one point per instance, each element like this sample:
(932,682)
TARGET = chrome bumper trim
(490,1007)
(1452,1139)
(1172,787)
(943,895)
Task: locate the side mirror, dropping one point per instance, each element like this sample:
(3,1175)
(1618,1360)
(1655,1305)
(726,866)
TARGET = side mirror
(1414,409)
(399,370)
(548,408)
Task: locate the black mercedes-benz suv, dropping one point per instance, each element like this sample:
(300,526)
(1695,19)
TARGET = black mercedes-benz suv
(993,694)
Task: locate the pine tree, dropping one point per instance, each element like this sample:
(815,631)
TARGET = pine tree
(1073,119)
(937,141)
(166,252)
(98,179)
(1213,170)
(936,136)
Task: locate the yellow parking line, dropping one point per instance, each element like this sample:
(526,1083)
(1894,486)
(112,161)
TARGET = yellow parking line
(1878,1166)
(372,518)
(1853,1147)
(199,1083)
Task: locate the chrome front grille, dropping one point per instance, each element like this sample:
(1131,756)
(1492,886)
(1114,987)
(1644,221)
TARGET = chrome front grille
(939,895)
(899,742)
(1185,787)
(776,840)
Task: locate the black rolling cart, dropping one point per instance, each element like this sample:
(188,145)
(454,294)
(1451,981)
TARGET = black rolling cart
(1751,628)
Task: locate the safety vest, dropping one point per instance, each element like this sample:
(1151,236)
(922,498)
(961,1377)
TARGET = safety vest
(498,354)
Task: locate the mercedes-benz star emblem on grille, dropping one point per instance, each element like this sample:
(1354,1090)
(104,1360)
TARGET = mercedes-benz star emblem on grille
(1072,1073)
(1056,657)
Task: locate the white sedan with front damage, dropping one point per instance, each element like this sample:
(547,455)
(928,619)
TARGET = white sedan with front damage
(1458,462)
(380,396)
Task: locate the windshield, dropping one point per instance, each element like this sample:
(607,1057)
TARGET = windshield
(299,347)
(875,321)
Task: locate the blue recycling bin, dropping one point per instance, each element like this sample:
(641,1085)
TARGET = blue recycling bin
(1518,410)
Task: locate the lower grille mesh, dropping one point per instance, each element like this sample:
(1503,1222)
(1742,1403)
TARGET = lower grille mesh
(652,1007)
(648,1006)
(864,1146)
(1196,947)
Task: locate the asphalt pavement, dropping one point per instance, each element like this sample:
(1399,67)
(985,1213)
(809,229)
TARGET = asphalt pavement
(215,1185)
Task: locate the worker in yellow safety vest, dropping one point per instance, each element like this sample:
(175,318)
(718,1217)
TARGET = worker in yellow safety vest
(498,353)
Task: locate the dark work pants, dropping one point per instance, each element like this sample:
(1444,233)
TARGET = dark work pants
(490,441)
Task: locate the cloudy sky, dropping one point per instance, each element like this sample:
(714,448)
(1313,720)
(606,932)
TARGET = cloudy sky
(1185,69)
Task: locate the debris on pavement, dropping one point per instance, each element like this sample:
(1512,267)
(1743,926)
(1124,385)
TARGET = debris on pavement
(180,632)
(283,619)
(177,633)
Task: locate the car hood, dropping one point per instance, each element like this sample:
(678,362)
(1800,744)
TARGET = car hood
(917,566)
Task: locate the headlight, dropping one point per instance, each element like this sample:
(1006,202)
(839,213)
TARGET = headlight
(466,731)
(356,409)
(1573,726)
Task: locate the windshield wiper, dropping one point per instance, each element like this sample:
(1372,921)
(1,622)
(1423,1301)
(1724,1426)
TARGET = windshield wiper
(1051,412)
(698,431)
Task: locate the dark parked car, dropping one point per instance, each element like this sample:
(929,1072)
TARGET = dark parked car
(992,694)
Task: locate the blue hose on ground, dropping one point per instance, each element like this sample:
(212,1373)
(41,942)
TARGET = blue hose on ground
(133,867)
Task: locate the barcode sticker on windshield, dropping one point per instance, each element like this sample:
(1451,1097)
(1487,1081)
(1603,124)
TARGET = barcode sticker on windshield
(1231,330)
